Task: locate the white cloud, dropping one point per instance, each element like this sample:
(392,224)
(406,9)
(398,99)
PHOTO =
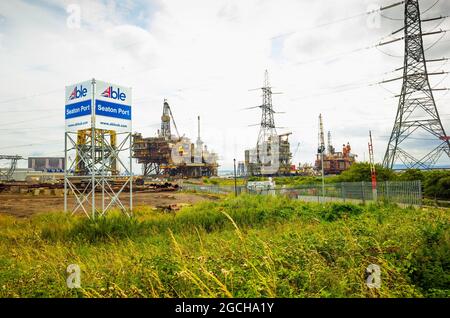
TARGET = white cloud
(203,56)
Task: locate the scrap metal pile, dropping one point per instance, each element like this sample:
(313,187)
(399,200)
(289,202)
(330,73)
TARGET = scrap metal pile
(57,188)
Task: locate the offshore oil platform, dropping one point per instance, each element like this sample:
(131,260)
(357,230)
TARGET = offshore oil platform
(333,162)
(171,155)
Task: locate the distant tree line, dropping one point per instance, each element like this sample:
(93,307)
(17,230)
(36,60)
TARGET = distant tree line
(435,183)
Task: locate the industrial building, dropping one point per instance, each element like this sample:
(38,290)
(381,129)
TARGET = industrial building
(46,164)
(170,155)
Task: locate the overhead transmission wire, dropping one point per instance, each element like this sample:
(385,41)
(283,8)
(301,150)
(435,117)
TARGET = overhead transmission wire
(353,86)
(321,25)
(312,28)
(437,1)
(437,41)
(364,85)
(317,26)
(26,129)
(388,54)
(346,53)
(442,18)
(31,145)
(389,18)
(25,121)
(331,57)
(32,110)
(400,19)
(30,96)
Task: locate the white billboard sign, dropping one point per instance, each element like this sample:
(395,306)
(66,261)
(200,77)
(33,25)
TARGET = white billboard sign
(78,106)
(112,107)
(112,104)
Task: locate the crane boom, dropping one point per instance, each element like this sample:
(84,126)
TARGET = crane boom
(173,120)
(321,148)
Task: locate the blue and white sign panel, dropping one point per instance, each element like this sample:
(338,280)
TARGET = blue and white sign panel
(112,107)
(78,106)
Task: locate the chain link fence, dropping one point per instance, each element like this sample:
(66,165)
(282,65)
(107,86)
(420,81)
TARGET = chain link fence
(402,192)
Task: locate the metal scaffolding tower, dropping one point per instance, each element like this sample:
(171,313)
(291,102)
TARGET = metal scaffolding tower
(417,115)
(93,178)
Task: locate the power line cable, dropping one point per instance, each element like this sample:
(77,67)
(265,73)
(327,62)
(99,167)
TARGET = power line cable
(32,110)
(318,26)
(432,45)
(30,145)
(388,54)
(26,121)
(30,96)
(437,1)
(152,67)
(389,18)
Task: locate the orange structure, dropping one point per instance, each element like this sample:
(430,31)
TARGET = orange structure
(336,162)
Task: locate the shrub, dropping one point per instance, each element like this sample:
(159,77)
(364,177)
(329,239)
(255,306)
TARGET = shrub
(411,175)
(361,172)
(437,184)
(105,228)
(430,268)
(335,211)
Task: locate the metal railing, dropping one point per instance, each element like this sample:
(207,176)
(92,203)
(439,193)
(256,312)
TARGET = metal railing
(402,192)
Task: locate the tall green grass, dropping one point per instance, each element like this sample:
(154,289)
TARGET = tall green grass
(249,246)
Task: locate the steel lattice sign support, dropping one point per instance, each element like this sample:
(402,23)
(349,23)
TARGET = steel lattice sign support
(98,163)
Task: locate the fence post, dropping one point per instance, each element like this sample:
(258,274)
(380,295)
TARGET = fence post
(420,193)
(362,192)
(387,191)
(318,195)
(342,192)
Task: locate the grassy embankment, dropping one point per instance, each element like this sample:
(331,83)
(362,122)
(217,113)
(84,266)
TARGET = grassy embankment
(250,246)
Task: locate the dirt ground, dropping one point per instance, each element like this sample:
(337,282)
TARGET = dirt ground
(25,205)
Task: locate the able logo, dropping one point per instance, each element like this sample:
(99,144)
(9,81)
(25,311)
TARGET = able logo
(78,92)
(114,94)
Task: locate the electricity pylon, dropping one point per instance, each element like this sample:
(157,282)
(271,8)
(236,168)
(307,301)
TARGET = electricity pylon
(8,173)
(417,116)
(266,158)
(267,128)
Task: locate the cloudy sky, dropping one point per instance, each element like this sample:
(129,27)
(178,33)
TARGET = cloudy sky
(204,57)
